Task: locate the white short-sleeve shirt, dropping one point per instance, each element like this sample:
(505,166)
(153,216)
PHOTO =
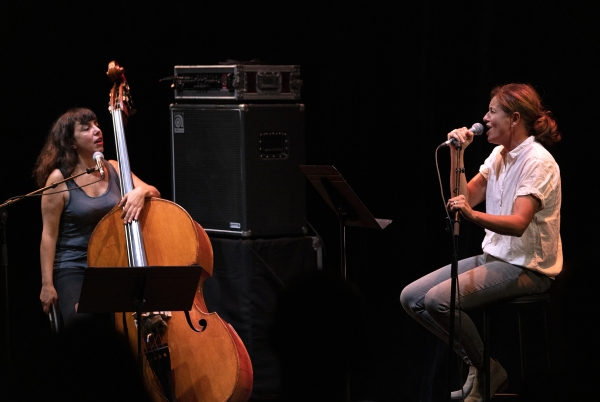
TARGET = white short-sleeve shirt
(529,169)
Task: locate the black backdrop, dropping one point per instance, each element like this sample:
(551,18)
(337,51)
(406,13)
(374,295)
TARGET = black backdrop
(383,84)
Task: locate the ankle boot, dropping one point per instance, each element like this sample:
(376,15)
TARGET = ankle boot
(466,389)
(498,382)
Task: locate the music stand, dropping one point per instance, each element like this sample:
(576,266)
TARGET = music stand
(343,201)
(138,289)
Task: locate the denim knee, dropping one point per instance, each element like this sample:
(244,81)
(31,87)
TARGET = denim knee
(433,306)
(407,300)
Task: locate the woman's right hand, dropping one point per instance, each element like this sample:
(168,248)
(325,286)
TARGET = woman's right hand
(48,297)
(462,136)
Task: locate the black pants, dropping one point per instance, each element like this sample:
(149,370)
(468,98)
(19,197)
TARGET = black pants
(68,283)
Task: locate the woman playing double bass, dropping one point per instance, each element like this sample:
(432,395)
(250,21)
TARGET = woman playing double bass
(71,211)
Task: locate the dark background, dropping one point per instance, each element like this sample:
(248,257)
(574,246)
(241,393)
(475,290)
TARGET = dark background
(383,84)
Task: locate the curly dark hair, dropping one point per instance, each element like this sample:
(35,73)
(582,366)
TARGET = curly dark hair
(58,151)
(523,98)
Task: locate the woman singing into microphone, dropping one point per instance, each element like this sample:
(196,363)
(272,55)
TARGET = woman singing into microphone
(522,250)
(71,211)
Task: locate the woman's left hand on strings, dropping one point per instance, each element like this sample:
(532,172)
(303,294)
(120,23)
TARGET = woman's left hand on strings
(132,204)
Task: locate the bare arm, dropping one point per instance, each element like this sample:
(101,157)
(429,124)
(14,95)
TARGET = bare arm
(133,202)
(524,208)
(52,207)
(515,224)
(473,193)
(476,189)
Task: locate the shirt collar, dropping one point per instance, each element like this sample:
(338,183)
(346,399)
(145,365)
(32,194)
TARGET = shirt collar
(525,144)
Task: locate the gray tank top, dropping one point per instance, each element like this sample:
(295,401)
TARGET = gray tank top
(79,217)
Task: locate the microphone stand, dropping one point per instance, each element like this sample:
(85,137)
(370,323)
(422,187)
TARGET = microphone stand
(4,254)
(454,270)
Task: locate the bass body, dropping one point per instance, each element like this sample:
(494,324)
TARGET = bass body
(187,356)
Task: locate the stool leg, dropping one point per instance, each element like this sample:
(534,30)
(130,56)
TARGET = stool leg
(546,335)
(486,356)
(521,345)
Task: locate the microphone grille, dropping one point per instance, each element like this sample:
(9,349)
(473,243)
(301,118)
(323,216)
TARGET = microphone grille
(98,154)
(477,129)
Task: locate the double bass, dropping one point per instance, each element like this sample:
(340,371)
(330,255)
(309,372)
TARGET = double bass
(187,356)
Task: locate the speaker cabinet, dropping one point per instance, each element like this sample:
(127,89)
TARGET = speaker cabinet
(236,167)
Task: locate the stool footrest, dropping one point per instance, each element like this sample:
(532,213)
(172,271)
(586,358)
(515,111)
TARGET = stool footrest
(538,298)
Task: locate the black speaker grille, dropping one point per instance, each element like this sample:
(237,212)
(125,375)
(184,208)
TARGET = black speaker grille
(235,167)
(207,167)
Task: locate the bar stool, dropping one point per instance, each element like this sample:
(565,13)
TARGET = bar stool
(541,300)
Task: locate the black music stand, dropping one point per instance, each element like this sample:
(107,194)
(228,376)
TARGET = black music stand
(343,201)
(139,289)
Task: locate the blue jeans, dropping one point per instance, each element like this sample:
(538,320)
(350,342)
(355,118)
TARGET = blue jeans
(482,280)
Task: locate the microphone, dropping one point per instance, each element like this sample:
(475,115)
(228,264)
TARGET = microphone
(98,157)
(476,129)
